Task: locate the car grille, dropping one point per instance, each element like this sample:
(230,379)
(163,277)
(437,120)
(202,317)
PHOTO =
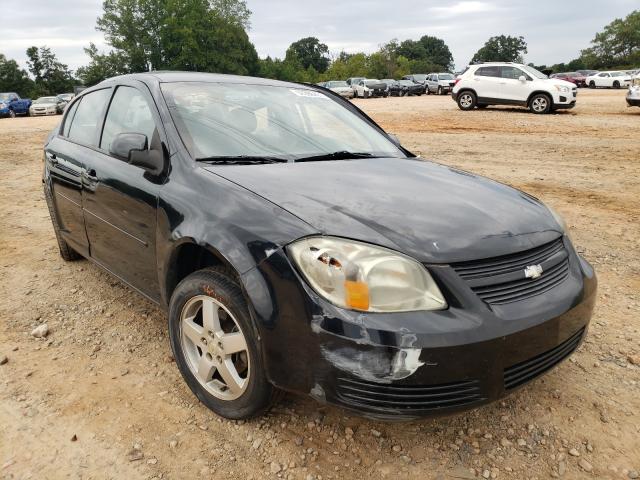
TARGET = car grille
(373,395)
(526,371)
(502,279)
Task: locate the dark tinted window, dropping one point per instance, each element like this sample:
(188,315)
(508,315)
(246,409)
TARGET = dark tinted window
(129,112)
(88,116)
(488,72)
(69,118)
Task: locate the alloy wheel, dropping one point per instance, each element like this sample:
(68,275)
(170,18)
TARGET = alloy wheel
(539,104)
(215,347)
(466,100)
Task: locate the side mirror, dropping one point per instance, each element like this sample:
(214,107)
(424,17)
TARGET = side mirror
(522,78)
(125,144)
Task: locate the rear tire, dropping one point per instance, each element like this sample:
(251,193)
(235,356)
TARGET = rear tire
(66,252)
(540,104)
(12,114)
(224,367)
(592,84)
(467,100)
(616,84)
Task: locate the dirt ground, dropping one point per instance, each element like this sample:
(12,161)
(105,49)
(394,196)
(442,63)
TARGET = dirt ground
(100,396)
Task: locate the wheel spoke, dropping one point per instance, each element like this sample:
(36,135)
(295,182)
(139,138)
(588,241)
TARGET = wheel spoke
(206,368)
(233,343)
(230,375)
(210,316)
(192,331)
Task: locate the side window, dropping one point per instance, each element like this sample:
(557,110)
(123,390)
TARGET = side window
(488,72)
(129,112)
(88,117)
(512,73)
(68,120)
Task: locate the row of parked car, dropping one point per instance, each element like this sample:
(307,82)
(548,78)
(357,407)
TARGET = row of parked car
(597,79)
(361,87)
(11,105)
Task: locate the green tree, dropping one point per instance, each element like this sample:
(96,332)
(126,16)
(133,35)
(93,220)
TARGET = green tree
(502,49)
(310,53)
(51,76)
(13,78)
(101,66)
(437,52)
(202,35)
(618,45)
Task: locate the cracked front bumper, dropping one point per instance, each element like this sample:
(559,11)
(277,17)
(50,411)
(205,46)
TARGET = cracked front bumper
(414,364)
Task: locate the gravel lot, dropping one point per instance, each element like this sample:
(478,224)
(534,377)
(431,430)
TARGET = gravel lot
(100,396)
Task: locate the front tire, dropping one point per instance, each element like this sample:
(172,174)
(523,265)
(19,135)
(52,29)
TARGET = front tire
(616,84)
(467,100)
(12,114)
(540,104)
(592,84)
(439,90)
(216,345)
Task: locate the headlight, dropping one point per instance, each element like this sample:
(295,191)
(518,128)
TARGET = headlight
(364,277)
(3,105)
(562,88)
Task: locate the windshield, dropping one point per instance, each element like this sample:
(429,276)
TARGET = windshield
(46,100)
(406,82)
(420,78)
(369,83)
(232,120)
(5,96)
(337,84)
(532,71)
(445,76)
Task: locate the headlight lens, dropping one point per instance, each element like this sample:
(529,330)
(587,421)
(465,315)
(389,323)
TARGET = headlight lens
(364,277)
(562,88)
(3,105)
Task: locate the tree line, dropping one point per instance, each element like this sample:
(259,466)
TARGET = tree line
(211,36)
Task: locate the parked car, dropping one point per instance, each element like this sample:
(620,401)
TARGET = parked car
(402,88)
(304,276)
(340,87)
(418,78)
(353,81)
(66,97)
(47,106)
(512,84)
(633,95)
(11,105)
(573,77)
(440,83)
(614,79)
(368,88)
(587,73)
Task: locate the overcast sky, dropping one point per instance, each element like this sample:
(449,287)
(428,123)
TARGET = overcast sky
(555,30)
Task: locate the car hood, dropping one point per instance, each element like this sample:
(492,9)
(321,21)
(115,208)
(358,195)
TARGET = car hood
(429,211)
(557,81)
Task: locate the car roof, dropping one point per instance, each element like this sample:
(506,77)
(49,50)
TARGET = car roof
(154,77)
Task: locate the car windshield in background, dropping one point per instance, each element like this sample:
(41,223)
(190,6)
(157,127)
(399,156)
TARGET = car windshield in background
(46,100)
(533,71)
(420,78)
(228,120)
(4,96)
(446,76)
(337,84)
(370,83)
(407,83)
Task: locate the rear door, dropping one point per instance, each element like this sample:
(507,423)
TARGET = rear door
(486,82)
(65,157)
(119,199)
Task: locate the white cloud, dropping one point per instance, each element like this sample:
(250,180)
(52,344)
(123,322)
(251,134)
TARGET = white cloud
(463,8)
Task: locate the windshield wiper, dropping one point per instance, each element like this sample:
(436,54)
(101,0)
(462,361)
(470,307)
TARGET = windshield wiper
(242,160)
(341,155)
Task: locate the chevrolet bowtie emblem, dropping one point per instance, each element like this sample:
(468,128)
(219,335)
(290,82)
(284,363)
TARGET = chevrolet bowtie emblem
(533,271)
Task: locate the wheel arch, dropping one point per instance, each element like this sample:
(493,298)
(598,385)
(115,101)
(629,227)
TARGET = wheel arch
(538,92)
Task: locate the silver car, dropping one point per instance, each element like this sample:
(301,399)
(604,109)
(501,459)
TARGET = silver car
(633,95)
(340,87)
(440,83)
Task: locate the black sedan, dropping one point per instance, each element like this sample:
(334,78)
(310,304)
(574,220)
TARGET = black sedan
(402,88)
(296,246)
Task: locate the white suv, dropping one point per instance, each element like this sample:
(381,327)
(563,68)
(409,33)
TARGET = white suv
(502,83)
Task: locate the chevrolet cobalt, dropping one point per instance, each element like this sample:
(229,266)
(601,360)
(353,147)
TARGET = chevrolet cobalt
(296,246)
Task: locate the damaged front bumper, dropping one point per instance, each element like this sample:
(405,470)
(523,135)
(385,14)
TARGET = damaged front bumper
(414,364)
